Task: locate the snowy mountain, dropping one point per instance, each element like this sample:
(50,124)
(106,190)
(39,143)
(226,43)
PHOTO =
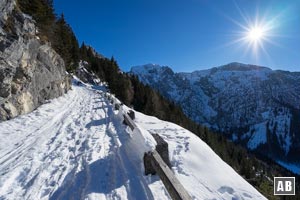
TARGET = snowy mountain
(77,147)
(252,105)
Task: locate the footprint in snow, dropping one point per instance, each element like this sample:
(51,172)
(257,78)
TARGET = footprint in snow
(225,189)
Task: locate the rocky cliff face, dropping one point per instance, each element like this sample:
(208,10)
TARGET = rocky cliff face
(255,106)
(30,72)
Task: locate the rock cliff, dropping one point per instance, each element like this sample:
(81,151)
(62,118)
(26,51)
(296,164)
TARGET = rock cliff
(31,72)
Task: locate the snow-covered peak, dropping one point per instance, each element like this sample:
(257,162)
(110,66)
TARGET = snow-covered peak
(235,66)
(236,69)
(152,72)
(146,67)
(150,69)
(239,69)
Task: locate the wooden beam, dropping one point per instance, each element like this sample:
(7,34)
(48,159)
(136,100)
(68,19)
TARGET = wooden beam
(174,187)
(129,121)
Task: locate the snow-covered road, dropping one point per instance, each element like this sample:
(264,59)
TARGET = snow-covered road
(69,148)
(77,147)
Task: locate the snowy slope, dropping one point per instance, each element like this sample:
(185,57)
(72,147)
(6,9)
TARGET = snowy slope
(76,147)
(200,170)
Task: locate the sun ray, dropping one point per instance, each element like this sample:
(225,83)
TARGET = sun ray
(245,18)
(256,33)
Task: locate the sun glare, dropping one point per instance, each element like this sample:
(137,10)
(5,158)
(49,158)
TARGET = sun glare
(255,34)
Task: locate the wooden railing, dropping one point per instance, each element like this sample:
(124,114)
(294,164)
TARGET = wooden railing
(129,122)
(172,184)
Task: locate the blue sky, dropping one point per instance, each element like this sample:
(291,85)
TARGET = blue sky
(187,35)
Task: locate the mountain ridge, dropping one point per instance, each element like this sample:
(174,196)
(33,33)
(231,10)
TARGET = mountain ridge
(253,105)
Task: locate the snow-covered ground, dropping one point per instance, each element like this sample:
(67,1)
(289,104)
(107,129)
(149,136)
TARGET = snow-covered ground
(203,173)
(76,147)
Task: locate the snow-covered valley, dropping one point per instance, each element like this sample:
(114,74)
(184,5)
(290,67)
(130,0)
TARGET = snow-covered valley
(76,147)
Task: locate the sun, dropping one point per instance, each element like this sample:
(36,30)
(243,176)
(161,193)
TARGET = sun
(255,34)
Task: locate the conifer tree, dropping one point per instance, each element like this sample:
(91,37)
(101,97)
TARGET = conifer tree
(66,44)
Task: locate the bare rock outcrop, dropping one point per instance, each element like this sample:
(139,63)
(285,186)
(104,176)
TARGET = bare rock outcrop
(31,72)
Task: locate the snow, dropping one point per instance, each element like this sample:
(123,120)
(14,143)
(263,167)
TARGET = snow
(199,169)
(279,123)
(282,121)
(77,147)
(234,137)
(292,167)
(73,147)
(259,135)
(266,115)
(146,68)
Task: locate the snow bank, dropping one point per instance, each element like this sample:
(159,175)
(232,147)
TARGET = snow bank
(203,173)
(139,142)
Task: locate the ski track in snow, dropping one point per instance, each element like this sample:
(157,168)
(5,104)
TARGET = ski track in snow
(70,148)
